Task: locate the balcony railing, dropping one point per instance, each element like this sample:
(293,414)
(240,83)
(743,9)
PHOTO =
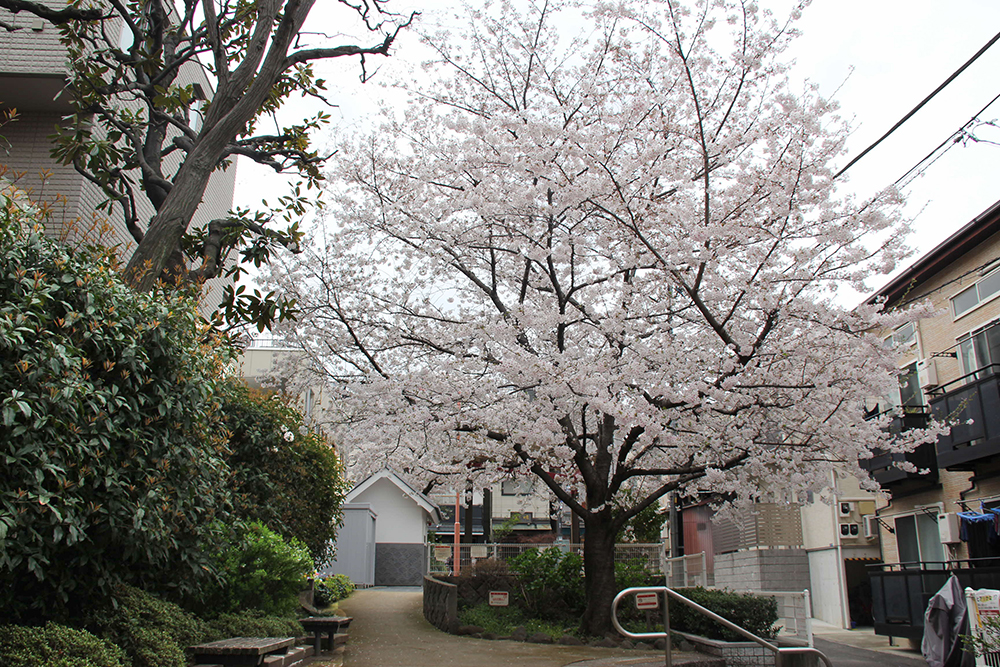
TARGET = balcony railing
(972,405)
(901,591)
(883,466)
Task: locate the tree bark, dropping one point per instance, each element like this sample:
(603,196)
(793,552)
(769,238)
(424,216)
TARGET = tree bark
(599,573)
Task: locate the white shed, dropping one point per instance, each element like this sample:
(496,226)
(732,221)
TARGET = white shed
(399,516)
(355,546)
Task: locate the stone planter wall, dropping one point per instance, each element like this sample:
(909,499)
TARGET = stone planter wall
(441,604)
(473,590)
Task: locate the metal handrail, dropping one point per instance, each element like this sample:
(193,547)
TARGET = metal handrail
(665,635)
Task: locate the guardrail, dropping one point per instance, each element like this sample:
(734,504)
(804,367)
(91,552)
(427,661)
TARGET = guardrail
(778,651)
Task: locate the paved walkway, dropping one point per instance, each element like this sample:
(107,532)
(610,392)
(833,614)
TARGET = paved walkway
(849,648)
(389,630)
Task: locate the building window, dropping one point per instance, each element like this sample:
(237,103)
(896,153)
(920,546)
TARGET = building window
(917,539)
(910,395)
(308,405)
(515,487)
(903,337)
(979,351)
(969,298)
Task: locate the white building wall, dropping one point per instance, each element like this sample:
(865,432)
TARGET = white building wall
(825,586)
(400,519)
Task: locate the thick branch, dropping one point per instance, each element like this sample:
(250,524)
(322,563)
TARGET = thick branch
(54,16)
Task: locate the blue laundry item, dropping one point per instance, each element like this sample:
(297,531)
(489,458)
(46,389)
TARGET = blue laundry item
(970,518)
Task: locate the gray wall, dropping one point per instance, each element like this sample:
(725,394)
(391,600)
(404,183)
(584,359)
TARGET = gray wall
(399,564)
(763,570)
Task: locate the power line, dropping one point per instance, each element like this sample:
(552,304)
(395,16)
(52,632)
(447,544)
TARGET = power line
(950,141)
(919,106)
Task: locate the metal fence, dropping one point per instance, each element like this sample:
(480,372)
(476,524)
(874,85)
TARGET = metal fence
(687,571)
(440,556)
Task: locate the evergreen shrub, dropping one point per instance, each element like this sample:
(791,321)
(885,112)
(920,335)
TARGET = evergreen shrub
(113,468)
(332,589)
(56,646)
(758,614)
(260,571)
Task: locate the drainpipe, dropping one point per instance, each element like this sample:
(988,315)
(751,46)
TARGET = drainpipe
(457,562)
(845,617)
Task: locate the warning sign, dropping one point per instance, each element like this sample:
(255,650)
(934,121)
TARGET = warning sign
(442,554)
(647,601)
(499,598)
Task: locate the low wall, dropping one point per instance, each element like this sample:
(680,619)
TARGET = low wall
(763,570)
(473,590)
(747,654)
(441,604)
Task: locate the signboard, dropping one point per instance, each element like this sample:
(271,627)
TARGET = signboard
(499,598)
(480,551)
(988,602)
(442,554)
(647,601)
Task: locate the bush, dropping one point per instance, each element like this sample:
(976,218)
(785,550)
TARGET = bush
(262,572)
(550,581)
(253,624)
(108,410)
(56,646)
(151,631)
(285,474)
(756,614)
(332,589)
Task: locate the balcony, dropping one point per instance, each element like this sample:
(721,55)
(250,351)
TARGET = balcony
(900,591)
(883,466)
(973,398)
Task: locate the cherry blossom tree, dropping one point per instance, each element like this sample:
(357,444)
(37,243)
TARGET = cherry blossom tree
(610,261)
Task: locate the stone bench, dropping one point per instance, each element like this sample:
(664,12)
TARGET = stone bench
(331,626)
(251,652)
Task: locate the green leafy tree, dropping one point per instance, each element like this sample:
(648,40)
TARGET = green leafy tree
(141,128)
(112,468)
(285,474)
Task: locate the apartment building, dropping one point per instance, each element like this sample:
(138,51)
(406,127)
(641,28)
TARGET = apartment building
(939,516)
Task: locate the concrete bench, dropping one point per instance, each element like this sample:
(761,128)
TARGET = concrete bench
(331,626)
(247,652)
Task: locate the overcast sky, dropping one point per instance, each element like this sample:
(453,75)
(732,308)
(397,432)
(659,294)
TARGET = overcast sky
(885,56)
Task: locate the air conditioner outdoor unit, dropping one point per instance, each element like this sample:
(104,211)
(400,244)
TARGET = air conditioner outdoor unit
(850,530)
(949,528)
(846,509)
(927,373)
(870,526)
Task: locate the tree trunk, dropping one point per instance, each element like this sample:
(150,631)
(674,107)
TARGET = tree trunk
(599,570)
